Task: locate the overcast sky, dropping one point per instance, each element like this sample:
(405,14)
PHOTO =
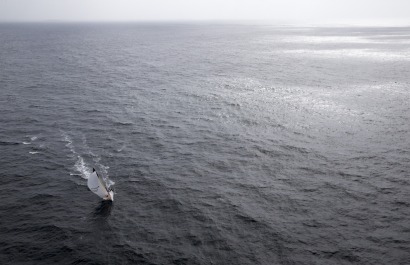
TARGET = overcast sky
(280,10)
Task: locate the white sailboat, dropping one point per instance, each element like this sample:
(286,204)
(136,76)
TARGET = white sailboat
(97,186)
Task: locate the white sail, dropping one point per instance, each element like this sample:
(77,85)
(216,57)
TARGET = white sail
(95,184)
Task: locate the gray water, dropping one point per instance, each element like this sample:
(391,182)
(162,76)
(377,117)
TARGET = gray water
(225,144)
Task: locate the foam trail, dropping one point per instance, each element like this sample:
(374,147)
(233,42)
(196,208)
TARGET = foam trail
(96,159)
(80,164)
(82,167)
(69,142)
(109,182)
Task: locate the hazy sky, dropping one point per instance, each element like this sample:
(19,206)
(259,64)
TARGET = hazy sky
(282,10)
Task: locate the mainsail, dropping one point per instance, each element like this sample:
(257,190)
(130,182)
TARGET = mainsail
(96,185)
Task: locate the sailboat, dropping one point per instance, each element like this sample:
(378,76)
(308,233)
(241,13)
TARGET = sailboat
(97,186)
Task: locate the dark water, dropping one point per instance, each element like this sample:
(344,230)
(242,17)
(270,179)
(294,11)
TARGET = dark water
(227,144)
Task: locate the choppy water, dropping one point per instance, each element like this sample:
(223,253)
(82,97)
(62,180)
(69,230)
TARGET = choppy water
(227,144)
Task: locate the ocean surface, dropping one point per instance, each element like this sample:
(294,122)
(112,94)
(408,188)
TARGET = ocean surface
(224,143)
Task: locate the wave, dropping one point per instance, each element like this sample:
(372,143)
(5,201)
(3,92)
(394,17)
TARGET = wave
(8,143)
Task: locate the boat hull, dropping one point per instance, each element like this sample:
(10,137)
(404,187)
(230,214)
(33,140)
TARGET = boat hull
(111,197)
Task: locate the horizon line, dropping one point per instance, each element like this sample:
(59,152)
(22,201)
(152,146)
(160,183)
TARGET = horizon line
(271,22)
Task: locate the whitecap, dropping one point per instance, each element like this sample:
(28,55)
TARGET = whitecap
(122,148)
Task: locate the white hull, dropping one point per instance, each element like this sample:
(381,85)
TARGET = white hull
(96,185)
(111,197)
